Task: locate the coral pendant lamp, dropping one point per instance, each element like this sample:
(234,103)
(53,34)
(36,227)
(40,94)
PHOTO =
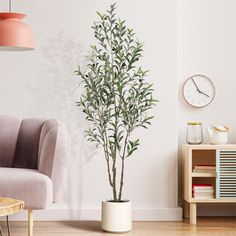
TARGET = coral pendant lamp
(15,35)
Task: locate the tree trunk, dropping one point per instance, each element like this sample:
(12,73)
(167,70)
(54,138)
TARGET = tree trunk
(122,178)
(114,184)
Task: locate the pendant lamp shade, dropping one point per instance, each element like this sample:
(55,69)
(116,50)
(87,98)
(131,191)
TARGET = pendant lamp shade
(15,35)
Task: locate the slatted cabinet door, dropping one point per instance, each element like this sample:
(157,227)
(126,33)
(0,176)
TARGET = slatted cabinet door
(226,174)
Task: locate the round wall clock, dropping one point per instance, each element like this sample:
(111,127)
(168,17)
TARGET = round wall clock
(198,91)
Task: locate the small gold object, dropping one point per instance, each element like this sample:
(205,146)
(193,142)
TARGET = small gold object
(194,123)
(222,128)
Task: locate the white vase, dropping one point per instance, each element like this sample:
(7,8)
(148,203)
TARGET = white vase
(116,216)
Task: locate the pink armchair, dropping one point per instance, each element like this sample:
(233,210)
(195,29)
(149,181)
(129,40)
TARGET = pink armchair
(34,158)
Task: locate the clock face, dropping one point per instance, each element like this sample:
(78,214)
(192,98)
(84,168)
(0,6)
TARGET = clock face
(199,91)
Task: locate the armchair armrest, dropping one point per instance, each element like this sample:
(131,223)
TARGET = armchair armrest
(54,155)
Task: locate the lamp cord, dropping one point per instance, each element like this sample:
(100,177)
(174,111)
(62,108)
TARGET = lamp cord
(10,6)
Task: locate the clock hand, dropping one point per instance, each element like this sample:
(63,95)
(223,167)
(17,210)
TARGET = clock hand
(204,93)
(195,85)
(199,89)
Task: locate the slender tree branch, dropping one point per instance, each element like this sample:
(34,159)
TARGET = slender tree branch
(123,167)
(122,178)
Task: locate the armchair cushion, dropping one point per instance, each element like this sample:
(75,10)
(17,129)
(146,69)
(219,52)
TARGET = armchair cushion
(34,188)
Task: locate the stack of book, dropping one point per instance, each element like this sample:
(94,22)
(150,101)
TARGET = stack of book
(203,191)
(204,169)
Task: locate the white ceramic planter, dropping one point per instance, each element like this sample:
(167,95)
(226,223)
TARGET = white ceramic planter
(116,216)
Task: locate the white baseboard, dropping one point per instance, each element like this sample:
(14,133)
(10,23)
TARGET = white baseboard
(159,214)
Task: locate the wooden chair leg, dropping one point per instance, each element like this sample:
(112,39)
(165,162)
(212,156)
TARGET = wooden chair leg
(8,226)
(1,234)
(30,222)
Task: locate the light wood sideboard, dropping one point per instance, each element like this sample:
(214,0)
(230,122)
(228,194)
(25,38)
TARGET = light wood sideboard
(225,175)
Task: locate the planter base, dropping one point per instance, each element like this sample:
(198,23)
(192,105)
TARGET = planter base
(116,217)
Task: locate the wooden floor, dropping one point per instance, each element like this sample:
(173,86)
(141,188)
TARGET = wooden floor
(205,226)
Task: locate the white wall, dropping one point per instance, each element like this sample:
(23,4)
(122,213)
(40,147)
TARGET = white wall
(41,83)
(207,36)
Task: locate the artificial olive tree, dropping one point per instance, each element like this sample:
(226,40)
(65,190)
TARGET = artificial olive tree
(117,96)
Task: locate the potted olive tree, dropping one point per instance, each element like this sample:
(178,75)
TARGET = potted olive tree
(116,100)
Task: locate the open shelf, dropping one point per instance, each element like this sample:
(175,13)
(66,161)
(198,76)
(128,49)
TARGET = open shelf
(203,157)
(206,180)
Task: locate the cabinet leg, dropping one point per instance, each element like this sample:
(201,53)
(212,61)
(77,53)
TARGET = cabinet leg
(186,209)
(193,213)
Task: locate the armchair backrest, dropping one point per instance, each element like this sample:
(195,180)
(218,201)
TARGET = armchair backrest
(27,145)
(19,142)
(54,155)
(9,129)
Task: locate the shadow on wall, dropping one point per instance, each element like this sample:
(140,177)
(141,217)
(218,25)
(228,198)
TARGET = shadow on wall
(54,96)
